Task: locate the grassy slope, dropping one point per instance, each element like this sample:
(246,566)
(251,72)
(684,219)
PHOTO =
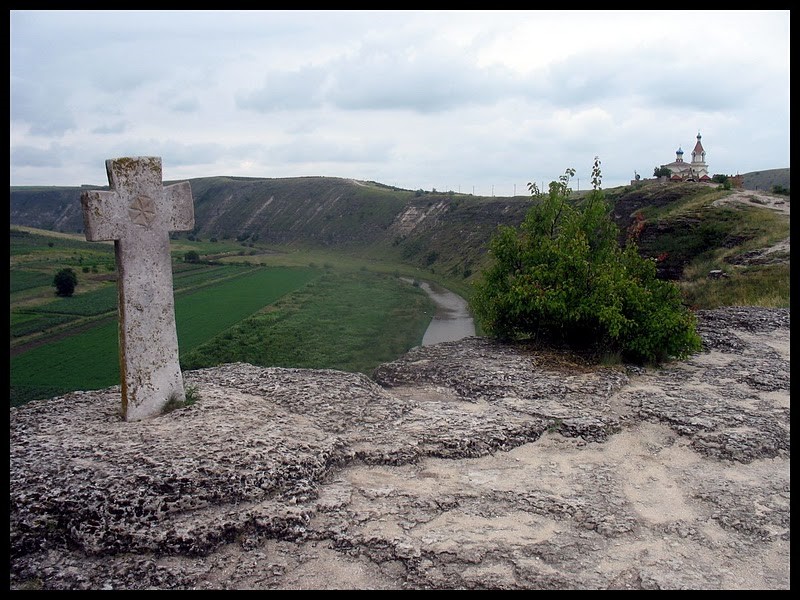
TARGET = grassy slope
(690,237)
(351,321)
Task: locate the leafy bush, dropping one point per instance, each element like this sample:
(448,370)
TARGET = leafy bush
(562,277)
(779,189)
(662,172)
(65,281)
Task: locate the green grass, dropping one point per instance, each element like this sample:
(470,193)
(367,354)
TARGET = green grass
(89,359)
(48,252)
(702,238)
(96,302)
(758,285)
(23,279)
(26,320)
(85,361)
(350,321)
(203,314)
(205,275)
(25,323)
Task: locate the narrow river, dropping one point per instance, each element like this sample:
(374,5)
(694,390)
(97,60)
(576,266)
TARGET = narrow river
(452,320)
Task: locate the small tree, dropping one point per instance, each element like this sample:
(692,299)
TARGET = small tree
(662,172)
(65,281)
(191,256)
(562,277)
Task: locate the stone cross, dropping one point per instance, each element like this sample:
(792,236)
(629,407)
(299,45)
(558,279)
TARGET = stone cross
(138,214)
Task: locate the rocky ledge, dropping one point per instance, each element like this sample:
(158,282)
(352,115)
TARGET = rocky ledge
(466,464)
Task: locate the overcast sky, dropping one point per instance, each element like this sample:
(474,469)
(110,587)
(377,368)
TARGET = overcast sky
(478,102)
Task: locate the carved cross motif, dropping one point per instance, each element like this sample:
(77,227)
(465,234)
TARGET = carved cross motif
(138,214)
(142,211)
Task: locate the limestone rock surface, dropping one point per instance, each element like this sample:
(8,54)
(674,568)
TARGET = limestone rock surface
(468,464)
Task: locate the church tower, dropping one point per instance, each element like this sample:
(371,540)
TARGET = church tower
(699,167)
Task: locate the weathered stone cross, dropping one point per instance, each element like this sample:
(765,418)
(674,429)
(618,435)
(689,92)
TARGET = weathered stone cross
(138,214)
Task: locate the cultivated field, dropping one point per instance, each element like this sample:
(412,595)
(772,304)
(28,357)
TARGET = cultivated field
(238,308)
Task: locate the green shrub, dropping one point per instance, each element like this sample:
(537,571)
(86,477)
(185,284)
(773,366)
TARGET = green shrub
(65,281)
(779,189)
(662,172)
(562,277)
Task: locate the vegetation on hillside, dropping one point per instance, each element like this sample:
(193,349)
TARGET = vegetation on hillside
(350,321)
(445,234)
(691,231)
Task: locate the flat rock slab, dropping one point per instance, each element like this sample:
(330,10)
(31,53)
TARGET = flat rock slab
(466,464)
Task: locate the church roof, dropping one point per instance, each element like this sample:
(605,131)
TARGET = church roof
(698,147)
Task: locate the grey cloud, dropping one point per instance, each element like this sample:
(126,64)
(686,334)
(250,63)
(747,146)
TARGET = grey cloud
(380,81)
(42,108)
(123,68)
(308,150)
(29,156)
(119,127)
(377,80)
(652,76)
(185,106)
(178,153)
(57,126)
(286,90)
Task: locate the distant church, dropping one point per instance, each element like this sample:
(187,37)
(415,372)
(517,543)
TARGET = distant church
(697,170)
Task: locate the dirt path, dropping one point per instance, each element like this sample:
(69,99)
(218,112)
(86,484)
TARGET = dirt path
(755,198)
(774,202)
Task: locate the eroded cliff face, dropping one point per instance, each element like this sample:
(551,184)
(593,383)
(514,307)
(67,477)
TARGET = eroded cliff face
(465,464)
(414,215)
